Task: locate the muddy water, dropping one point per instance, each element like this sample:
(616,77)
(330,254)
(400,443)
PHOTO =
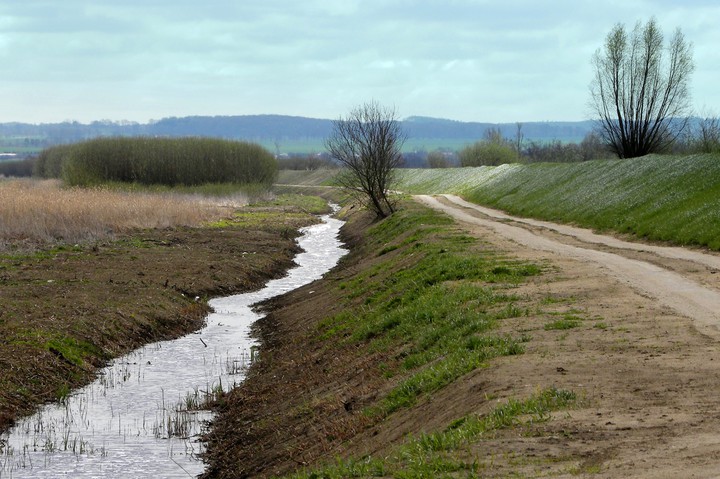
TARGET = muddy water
(136,420)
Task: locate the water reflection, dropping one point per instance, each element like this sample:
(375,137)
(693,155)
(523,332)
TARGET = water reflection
(136,419)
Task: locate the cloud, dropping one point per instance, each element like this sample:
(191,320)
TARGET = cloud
(463,59)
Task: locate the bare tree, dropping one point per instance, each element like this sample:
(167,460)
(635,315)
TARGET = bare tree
(519,137)
(640,89)
(437,159)
(368,143)
(707,138)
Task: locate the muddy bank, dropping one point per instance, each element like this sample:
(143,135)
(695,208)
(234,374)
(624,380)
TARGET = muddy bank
(66,311)
(259,431)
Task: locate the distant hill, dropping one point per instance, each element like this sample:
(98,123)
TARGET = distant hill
(279,133)
(424,127)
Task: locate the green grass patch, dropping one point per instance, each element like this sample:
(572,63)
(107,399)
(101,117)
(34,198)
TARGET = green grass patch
(461,359)
(567,321)
(72,350)
(433,298)
(561,324)
(444,453)
(283,221)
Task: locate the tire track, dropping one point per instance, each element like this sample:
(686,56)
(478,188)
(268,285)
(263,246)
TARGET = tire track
(672,289)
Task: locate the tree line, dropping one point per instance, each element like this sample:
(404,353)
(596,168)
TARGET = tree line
(700,135)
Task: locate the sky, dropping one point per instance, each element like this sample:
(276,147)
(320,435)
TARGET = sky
(467,60)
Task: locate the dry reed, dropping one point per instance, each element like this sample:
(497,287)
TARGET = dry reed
(34,212)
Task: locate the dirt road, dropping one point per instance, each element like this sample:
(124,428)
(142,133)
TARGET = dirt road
(647,363)
(680,279)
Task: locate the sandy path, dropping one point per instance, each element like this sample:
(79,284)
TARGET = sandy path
(645,361)
(685,295)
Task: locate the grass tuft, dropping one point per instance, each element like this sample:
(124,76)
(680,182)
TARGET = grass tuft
(431,455)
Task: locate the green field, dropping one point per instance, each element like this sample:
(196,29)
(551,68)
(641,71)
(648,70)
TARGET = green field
(317,145)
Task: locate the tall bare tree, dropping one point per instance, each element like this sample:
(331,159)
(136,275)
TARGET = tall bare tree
(368,143)
(640,89)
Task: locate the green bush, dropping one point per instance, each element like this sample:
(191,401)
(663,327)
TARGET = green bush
(489,153)
(166,161)
(49,163)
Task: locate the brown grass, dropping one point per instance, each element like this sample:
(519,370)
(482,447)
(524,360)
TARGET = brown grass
(41,212)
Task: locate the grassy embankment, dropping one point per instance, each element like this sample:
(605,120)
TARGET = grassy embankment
(87,274)
(416,308)
(663,198)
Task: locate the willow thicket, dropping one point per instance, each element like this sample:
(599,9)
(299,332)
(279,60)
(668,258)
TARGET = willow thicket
(165,161)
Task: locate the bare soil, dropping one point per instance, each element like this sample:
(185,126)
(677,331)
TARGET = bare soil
(649,376)
(645,362)
(65,312)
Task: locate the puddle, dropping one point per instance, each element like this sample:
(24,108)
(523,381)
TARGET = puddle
(133,421)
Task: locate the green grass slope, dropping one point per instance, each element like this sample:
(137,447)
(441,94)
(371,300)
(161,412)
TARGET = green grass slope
(306,177)
(667,198)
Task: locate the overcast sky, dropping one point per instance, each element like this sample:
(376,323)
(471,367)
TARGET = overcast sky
(469,60)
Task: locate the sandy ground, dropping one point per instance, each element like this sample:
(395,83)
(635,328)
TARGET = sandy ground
(646,361)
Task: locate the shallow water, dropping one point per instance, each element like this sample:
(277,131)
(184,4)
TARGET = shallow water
(133,420)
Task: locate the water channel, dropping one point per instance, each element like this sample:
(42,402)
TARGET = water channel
(133,421)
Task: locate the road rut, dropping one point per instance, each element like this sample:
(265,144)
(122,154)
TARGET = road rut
(685,287)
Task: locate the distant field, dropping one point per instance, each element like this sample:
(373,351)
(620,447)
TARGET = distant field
(316,145)
(19,150)
(307,178)
(297,146)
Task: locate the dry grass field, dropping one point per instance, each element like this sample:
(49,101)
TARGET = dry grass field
(41,212)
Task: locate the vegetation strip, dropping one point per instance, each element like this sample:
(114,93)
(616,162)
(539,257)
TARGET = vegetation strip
(158,161)
(440,453)
(415,307)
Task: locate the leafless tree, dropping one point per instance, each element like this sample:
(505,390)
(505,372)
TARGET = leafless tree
(519,137)
(437,159)
(708,135)
(640,89)
(368,143)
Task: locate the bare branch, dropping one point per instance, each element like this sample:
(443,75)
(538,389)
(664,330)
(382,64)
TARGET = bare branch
(641,95)
(368,143)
